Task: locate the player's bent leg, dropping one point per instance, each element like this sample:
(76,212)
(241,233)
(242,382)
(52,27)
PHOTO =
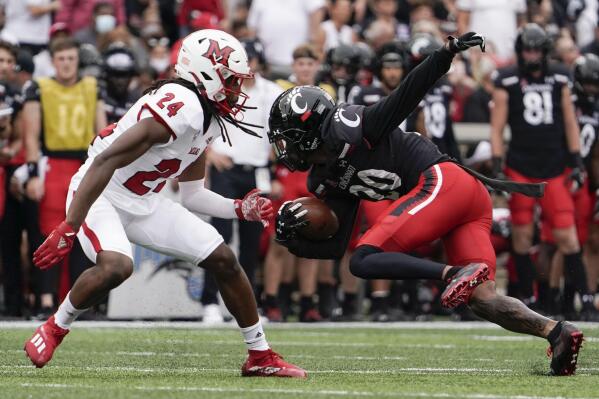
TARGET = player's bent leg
(233,285)
(90,288)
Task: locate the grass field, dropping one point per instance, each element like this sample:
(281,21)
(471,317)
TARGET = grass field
(430,360)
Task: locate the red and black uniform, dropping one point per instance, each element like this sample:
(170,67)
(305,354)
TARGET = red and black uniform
(437,118)
(538,149)
(432,196)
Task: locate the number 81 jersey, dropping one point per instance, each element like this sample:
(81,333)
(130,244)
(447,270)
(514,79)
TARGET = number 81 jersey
(538,145)
(134,187)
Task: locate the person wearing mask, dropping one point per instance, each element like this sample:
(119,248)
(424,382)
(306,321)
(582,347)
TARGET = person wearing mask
(104,21)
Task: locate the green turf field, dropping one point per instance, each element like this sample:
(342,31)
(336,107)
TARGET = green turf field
(406,361)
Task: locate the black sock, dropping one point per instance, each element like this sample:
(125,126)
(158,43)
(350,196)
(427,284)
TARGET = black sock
(271,301)
(285,290)
(369,262)
(380,303)
(349,303)
(543,293)
(326,298)
(554,301)
(554,334)
(526,274)
(306,303)
(576,271)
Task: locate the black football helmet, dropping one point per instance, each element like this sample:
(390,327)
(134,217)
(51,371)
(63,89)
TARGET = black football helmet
(391,54)
(532,37)
(421,46)
(347,56)
(586,78)
(119,68)
(294,124)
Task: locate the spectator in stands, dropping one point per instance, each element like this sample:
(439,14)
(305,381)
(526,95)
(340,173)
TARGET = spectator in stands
(192,9)
(242,167)
(104,20)
(282,26)
(498,21)
(336,29)
(62,115)
(385,16)
(79,14)
(29,22)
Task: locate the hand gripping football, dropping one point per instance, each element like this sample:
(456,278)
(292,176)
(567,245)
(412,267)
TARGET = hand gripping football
(322,221)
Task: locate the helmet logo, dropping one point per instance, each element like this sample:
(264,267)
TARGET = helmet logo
(295,94)
(339,117)
(216,54)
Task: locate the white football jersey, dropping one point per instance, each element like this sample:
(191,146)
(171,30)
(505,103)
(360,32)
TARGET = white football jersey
(134,187)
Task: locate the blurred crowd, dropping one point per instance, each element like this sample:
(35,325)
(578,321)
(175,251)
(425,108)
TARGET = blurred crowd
(68,68)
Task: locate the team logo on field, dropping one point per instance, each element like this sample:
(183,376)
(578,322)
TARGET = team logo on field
(217,54)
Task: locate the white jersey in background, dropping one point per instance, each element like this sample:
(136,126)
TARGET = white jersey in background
(134,187)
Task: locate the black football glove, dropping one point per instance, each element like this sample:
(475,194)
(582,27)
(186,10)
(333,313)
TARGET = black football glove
(289,220)
(464,42)
(498,168)
(577,176)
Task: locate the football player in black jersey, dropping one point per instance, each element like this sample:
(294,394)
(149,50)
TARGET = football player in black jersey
(432,115)
(118,72)
(343,63)
(356,152)
(534,98)
(586,94)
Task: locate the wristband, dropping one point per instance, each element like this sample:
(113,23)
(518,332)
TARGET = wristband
(32,170)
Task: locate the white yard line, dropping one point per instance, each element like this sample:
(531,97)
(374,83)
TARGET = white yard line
(307,392)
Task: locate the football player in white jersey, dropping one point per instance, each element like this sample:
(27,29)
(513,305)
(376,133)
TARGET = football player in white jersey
(113,198)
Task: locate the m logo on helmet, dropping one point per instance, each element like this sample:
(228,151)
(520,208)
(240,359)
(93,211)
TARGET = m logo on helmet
(217,54)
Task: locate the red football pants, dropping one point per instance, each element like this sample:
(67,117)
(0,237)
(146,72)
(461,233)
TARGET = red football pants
(447,203)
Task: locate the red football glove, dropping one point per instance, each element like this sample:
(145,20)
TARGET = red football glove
(57,245)
(254,208)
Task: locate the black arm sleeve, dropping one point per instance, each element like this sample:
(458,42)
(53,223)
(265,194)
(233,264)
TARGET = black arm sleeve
(386,114)
(346,209)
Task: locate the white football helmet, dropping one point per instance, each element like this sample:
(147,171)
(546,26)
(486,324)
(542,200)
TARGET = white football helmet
(217,64)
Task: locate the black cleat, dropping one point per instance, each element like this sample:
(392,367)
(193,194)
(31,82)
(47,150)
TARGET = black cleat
(564,349)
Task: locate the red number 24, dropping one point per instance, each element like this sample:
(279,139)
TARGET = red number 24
(165,168)
(172,108)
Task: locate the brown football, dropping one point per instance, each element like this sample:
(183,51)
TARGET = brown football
(322,221)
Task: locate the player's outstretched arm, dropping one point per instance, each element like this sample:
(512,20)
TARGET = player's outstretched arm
(128,147)
(199,199)
(384,116)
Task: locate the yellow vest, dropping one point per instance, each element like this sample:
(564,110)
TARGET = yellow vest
(285,84)
(68,113)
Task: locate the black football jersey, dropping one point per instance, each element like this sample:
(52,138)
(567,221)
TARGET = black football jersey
(11,97)
(366,95)
(114,108)
(387,169)
(588,120)
(437,118)
(538,144)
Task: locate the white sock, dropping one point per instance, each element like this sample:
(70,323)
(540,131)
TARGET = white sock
(66,313)
(254,337)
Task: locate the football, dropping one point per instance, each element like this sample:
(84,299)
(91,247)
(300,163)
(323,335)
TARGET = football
(322,221)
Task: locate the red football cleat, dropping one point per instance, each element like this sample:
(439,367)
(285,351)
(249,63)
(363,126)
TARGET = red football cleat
(462,285)
(268,363)
(42,345)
